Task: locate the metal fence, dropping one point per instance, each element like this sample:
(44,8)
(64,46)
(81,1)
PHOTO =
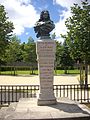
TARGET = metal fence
(12,93)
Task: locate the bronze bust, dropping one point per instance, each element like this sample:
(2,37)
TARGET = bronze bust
(44,25)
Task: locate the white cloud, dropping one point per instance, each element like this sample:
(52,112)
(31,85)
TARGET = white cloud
(24,15)
(60,25)
(21,14)
(67,3)
(24,1)
(27,33)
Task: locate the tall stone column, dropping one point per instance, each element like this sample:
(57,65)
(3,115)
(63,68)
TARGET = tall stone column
(46,55)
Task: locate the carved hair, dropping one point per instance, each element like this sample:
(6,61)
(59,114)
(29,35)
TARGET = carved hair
(41,16)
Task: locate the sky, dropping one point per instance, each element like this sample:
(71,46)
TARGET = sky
(25,13)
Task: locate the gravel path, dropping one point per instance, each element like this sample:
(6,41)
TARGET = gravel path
(34,80)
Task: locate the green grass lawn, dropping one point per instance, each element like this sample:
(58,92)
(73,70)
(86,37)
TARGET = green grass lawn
(19,72)
(69,72)
(35,72)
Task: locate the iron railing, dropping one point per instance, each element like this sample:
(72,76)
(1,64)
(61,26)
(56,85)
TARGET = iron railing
(12,93)
(74,92)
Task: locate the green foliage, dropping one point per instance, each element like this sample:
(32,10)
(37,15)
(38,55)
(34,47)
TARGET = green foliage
(13,52)
(20,52)
(30,40)
(6,28)
(66,60)
(58,54)
(78,35)
(29,52)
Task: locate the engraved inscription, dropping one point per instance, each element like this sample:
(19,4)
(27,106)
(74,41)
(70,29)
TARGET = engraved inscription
(46,57)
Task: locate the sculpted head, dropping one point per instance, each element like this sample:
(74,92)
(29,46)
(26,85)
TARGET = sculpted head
(44,15)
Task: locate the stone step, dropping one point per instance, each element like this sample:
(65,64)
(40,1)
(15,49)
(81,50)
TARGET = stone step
(7,111)
(27,109)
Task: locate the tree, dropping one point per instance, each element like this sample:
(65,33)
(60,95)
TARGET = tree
(13,52)
(30,40)
(29,53)
(6,28)
(66,60)
(78,35)
(58,54)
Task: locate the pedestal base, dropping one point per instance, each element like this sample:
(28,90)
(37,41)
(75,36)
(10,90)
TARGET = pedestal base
(46,102)
(46,99)
(27,109)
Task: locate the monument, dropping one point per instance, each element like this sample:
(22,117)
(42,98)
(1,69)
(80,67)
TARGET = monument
(45,49)
(45,106)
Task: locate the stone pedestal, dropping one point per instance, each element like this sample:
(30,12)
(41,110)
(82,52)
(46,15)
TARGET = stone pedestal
(46,55)
(27,109)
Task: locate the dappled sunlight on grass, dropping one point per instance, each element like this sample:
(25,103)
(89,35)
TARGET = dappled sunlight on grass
(35,72)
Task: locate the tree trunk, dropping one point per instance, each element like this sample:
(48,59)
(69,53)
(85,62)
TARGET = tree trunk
(80,71)
(0,69)
(86,74)
(14,71)
(32,70)
(55,67)
(65,70)
(81,74)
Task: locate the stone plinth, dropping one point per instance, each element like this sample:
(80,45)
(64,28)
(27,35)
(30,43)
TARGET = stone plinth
(27,109)
(45,50)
